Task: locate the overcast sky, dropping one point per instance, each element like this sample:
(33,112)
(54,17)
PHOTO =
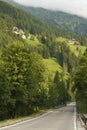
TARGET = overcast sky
(78,7)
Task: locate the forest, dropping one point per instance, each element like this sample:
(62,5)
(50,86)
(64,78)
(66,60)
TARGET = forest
(26,84)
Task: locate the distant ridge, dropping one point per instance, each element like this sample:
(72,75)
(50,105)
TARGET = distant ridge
(69,22)
(21,19)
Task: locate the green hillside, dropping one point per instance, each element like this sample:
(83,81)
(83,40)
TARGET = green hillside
(62,24)
(11,17)
(19,18)
(32,40)
(36,63)
(27,22)
(77,50)
(52,66)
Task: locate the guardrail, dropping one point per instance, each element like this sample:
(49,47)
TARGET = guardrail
(84,120)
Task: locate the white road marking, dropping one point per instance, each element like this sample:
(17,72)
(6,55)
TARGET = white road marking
(22,122)
(75,126)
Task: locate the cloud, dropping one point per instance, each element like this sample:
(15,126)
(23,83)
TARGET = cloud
(78,7)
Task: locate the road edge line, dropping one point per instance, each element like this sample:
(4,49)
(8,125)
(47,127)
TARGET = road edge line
(75,119)
(25,121)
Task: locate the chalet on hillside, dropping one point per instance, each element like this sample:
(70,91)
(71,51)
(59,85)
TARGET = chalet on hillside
(19,32)
(73,42)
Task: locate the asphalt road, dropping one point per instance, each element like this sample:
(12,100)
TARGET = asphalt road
(58,119)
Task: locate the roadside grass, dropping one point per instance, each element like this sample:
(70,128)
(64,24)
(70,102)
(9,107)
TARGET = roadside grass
(25,118)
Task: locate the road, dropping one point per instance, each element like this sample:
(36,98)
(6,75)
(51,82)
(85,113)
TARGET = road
(58,119)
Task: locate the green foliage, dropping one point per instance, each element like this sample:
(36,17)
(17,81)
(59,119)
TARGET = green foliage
(4,93)
(22,80)
(52,66)
(80,80)
(69,60)
(61,39)
(28,81)
(78,50)
(58,94)
(38,47)
(61,51)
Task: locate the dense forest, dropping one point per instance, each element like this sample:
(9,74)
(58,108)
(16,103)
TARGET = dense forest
(26,84)
(80,84)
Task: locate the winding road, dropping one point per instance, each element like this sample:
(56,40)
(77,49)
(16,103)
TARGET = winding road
(58,119)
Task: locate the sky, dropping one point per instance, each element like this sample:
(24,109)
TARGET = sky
(78,7)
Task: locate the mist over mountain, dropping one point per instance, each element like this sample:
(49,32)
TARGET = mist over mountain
(77,7)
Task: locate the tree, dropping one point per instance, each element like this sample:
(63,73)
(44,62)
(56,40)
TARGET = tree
(15,57)
(80,85)
(4,93)
(36,80)
(25,76)
(61,90)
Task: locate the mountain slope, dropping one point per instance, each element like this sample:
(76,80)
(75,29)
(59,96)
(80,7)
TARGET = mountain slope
(19,17)
(28,22)
(67,21)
